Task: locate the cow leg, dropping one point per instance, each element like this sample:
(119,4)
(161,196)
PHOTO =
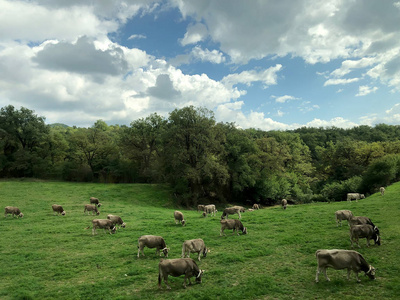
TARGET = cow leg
(348,274)
(317,275)
(93,230)
(326,276)
(166,282)
(199,256)
(221,232)
(358,279)
(240,216)
(367,242)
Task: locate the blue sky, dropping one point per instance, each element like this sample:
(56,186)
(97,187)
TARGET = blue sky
(262,64)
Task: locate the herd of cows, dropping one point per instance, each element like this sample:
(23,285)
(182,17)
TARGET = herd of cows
(359,227)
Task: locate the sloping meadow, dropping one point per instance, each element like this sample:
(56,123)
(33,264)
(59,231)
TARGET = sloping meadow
(43,256)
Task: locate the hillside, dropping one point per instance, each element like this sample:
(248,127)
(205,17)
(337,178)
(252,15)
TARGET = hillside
(55,257)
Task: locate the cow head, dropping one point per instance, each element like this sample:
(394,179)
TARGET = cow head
(183,222)
(21,215)
(97,212)
(165,251)
(204,214)
(371,272)
(205,251)
(113,229)
(377,239)
(123,225)
(63,213)
(376,230)
(198,277)
(244,230)
(98,205)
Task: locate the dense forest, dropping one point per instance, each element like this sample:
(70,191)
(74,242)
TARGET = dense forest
(202,160)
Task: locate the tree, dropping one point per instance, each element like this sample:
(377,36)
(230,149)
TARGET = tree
(190,158)
(93,146)
(142,145)
(23,134)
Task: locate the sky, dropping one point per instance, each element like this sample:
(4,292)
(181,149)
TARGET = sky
(266,64)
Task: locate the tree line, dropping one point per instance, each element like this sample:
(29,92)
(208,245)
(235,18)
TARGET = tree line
(203,160)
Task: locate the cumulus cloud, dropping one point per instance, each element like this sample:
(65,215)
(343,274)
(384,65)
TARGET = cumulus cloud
(194,34)
(65,58)
(365,90)
(340,81)
(164,88)
(283,99)
(213,56)
(81,57)
(267,77)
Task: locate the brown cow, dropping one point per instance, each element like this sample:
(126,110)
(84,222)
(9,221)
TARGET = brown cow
(58,209)
(152,241)
(343,259)
(91,208)
(103,223)
(178,216)
(177,267)
(14,211)
(234,224)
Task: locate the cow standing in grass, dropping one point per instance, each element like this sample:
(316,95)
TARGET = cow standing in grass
(177,267)
(14,211)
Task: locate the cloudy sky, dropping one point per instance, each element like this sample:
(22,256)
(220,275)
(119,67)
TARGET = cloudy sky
(263,64)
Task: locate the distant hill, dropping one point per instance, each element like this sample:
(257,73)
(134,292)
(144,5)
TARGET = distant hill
(58,125)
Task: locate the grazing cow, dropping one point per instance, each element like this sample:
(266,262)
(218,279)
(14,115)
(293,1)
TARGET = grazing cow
(91,208)
(359,220)
(177,267)
(210,209)
(284,203)
(152,241)
(103,223)
(234,224)
(341,215)
(14,211)
(194,246)
(178,216)
(95,201)
(58,209)
(382,190)
(200,207)
(256,206)
(355,196)
(343,259)
(116,220)
(364,231)
(230,211)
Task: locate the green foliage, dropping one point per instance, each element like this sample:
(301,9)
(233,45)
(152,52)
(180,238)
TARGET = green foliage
(337,191)
(203,161)
(382,172)
(55,257)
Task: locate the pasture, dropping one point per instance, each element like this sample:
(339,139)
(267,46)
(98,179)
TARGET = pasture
(43,256)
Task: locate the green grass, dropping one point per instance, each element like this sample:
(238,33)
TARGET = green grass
(54,257)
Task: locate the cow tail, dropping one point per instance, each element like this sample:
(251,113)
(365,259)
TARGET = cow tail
(159,275)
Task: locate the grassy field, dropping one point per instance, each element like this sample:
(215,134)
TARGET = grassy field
(55,257)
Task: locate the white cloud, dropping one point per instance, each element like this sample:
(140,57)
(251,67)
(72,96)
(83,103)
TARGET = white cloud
(194,34)
(136,36)
(267,77)
(365,90)
(337,122)
(340,81)
(283,99)
(213,56)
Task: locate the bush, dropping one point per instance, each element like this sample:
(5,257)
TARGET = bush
(337,191)
(381,172)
